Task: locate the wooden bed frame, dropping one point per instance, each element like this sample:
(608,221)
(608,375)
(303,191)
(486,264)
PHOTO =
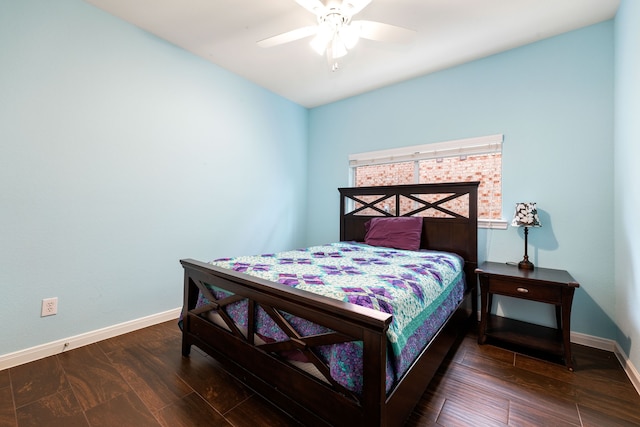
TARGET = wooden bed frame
(321,401)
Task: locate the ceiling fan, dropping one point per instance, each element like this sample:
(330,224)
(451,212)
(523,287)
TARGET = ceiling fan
(335,34)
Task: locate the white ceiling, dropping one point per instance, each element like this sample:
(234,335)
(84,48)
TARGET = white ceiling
(449,32)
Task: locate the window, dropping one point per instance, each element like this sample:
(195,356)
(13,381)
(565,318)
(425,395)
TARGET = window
(472,159)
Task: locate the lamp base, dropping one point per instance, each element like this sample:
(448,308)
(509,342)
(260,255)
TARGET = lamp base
(525,264)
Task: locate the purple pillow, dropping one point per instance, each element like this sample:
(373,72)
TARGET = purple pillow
(403,232)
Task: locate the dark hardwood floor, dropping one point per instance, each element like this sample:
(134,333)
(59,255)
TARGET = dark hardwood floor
(141,379)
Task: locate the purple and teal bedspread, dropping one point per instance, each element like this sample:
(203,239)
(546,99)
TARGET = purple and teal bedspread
(420,289)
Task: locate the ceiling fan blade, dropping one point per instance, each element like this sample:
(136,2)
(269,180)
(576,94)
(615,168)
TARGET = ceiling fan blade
(351,7)
(289,36)
(314,6)
(384,32)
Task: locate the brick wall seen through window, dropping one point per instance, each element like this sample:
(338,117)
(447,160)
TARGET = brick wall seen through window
(486,168)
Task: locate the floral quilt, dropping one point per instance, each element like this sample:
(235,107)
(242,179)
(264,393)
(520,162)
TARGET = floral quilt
(420,289)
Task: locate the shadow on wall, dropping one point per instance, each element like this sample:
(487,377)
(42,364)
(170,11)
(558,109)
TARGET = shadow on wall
(628,290)
(595,319)
(591,317)
(540,239)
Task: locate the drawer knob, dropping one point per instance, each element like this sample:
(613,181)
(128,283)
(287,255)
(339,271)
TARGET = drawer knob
(523,290)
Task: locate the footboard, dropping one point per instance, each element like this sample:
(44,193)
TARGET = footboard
(301,393)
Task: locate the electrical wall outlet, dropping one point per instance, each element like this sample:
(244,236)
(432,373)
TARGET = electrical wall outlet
(49,306)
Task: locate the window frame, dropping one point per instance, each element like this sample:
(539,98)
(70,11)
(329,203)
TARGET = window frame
(454,148)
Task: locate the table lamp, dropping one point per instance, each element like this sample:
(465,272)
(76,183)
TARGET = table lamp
(526,216)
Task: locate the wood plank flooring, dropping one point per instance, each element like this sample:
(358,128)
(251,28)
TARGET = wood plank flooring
(141,379)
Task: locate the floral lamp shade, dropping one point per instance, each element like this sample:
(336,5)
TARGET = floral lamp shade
(526,215)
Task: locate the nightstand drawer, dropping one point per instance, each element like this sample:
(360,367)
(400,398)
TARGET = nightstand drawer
(537,292)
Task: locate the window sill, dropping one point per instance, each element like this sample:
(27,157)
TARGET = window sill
(493,224)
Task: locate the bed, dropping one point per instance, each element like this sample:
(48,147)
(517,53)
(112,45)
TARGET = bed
(307,387)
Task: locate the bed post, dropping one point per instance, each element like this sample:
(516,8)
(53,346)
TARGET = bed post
(374,382)
(190,299)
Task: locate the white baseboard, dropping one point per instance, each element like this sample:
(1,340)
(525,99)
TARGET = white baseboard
(20,357)
(610,345)
(631,371)
(594,342)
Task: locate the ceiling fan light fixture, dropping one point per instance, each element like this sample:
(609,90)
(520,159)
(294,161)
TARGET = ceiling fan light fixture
(336,33)
(338,49)
(322,39)
(318,45)
(349,34)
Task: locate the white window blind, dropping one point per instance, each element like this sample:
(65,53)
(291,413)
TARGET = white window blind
(455,148)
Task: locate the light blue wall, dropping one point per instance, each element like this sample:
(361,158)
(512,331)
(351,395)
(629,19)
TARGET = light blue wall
(121,154)
(553,101)
(627,178)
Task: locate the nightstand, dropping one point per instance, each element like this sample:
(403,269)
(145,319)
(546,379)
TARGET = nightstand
(542,285)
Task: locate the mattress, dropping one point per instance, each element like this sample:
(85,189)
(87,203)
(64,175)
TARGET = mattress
(419,288)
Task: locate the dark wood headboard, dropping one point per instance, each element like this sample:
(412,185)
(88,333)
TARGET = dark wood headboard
(449,211)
